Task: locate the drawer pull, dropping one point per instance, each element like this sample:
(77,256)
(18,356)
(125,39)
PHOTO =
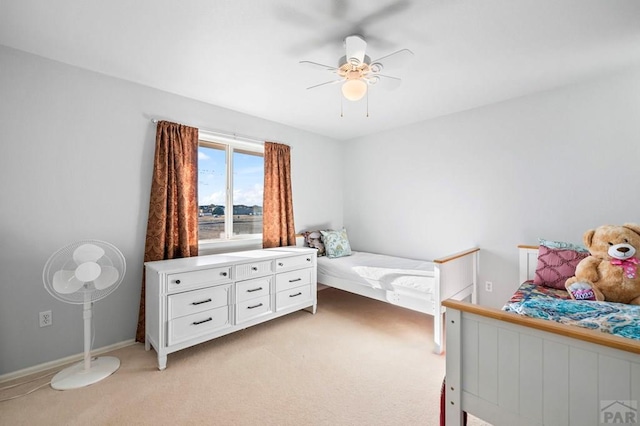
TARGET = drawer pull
(254,306)
(295,279)
(280,264)
(295,295)
(224,274)
(308,259)
(251,290)
(254,268)
(177,281)
(202,322)
(200,303)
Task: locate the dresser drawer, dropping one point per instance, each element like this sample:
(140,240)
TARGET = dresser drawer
(251,289)
(253,308)
(253,269)
(195,301)
(192,279)
(292,297)
(294,262)
(293,279)
(194,325)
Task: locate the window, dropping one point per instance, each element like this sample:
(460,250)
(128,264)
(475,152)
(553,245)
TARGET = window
(230,173)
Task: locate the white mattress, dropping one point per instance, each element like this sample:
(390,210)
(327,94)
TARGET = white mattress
(381,272)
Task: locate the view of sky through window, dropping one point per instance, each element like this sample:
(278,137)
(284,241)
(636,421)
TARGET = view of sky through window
(248,177)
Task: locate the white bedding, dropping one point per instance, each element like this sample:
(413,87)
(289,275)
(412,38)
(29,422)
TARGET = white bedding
(418,285)
(384,272)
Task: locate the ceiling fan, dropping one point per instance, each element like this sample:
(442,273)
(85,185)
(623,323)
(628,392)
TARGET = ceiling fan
(356,71)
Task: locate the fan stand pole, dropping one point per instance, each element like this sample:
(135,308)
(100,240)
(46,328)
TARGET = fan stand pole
(87,372)
(86,314)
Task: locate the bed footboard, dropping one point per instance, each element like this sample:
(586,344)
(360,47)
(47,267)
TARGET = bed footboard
(508,369)
(455,278)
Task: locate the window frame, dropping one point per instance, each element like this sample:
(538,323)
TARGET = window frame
(231,145)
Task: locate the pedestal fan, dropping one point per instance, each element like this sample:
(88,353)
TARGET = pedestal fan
(82,273)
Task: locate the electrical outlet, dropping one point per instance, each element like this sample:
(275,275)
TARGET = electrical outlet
(45,319)
(488,286)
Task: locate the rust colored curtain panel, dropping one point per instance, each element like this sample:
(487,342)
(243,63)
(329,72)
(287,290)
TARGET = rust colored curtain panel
(278,228)
(172,227)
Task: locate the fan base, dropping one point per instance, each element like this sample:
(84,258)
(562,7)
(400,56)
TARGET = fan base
(76,376)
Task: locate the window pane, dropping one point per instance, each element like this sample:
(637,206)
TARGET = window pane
(212,177)
(248,186)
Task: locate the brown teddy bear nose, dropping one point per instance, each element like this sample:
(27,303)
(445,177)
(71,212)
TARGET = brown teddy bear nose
(623,249)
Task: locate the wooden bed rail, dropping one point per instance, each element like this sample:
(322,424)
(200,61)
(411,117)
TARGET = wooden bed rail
(456,255)
(585,334)
(527,246)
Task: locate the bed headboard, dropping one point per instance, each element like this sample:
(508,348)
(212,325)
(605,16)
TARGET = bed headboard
(528,262)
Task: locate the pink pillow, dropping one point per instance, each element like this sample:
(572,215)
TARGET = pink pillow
(555,266)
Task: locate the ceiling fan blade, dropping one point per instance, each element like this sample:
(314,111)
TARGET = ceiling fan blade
(339,8)
(395,60)
(355,47)
(296,16)
(384,12)
(326,83)
(317,65)
(386,82)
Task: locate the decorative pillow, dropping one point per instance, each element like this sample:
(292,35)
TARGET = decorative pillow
(314,239)
(336,243)
(562,245)
(555,266)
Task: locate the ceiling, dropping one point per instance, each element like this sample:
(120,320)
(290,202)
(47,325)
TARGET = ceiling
(244,55)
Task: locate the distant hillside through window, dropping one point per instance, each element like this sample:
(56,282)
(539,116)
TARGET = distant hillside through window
(245,191)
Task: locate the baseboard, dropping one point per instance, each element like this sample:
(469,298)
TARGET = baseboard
(63,361)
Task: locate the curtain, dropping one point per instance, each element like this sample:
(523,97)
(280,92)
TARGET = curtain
(172,227)
(278,228)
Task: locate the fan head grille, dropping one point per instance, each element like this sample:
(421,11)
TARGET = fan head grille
(103,256)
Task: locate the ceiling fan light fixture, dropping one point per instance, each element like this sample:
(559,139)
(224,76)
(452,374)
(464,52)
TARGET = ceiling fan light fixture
(354,89)
(356,71)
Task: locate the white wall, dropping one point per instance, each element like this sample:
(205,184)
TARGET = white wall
(75,163)
(548,165)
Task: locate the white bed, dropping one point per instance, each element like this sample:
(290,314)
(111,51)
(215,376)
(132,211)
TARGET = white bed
(413,284)
(513,370)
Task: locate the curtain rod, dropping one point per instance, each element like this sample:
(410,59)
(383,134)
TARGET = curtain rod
(234,136)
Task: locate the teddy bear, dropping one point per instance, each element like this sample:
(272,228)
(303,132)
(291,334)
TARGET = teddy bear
(610,272)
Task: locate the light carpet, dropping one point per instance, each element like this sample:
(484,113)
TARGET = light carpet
(357,361)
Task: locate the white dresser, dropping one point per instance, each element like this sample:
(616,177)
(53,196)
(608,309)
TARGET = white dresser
(196,299)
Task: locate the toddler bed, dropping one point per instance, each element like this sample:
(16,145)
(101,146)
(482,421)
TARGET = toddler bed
(542,359)
(413,284)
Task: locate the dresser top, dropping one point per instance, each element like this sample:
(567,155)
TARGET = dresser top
(222,259)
